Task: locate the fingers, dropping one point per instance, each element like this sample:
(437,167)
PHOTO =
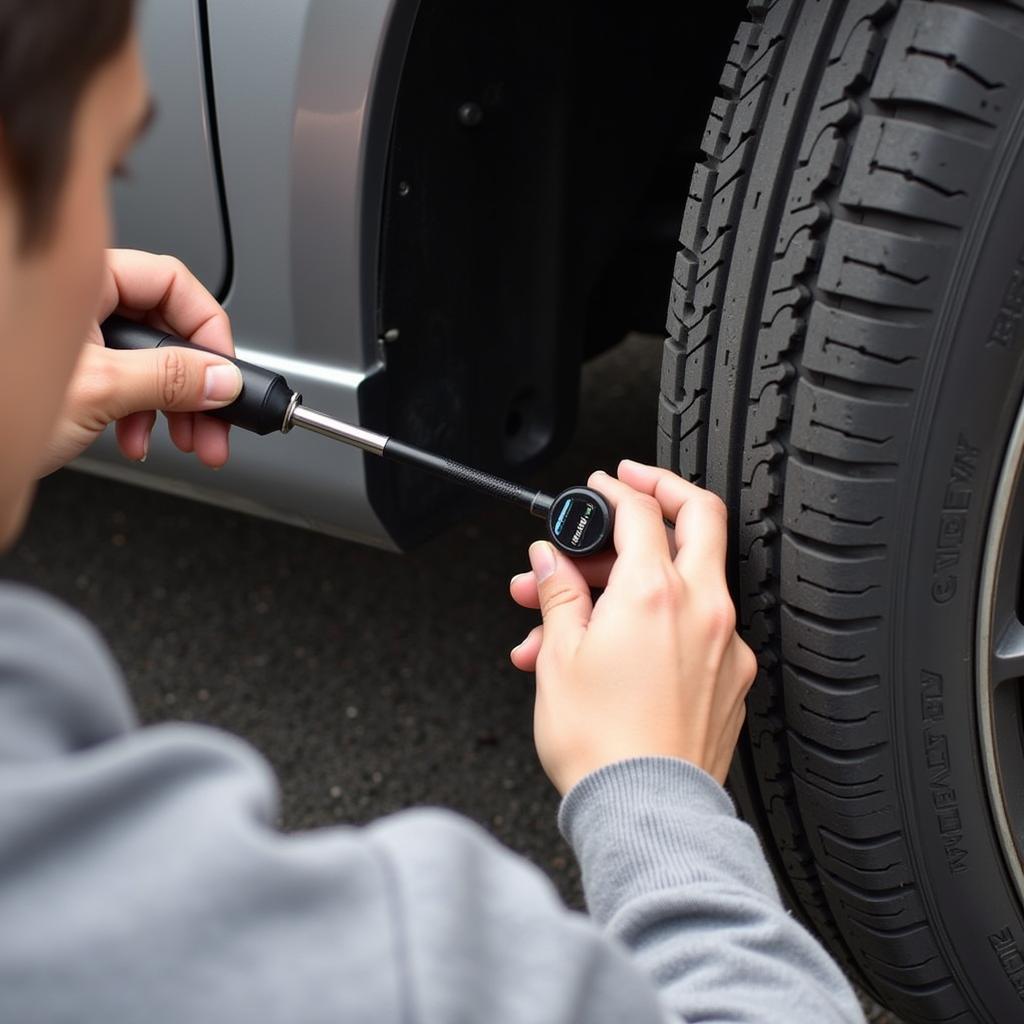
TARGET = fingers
(700,517)
(171,379)
(133,435)
(670,490)
(162,291)
(639,531)
(594,570)
(565,604)
(524,656)
(174,380)
(604,483)
(166,294)
(180,426)
(189,432)
(210,440)
(702,522)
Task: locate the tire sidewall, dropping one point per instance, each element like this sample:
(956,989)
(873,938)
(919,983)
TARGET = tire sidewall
(964,417)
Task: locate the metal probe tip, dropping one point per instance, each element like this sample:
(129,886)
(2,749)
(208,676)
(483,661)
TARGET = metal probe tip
(359,437)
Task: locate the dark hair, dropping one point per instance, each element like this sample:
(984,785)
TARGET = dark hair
(49,49)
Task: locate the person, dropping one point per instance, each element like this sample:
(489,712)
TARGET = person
(140,875)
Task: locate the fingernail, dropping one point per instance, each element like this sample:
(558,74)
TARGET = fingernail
(145,447)
(542,560)
(518,576)
(519,646)
(223,382)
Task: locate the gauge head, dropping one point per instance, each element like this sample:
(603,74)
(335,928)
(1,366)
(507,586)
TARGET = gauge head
(580,521)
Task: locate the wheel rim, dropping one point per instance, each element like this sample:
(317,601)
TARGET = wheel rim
(1000,657)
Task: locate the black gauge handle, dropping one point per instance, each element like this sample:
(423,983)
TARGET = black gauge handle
(266,401)
(579,519)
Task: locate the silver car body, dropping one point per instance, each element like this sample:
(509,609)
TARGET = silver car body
(421,215)
(304,93)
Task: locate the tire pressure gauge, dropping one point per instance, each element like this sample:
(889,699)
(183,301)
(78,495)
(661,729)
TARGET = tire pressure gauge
(579,519)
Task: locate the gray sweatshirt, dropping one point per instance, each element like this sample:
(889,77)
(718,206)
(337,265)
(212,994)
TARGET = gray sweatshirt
(141,880)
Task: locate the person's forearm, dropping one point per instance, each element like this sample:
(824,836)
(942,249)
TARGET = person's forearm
(670,871)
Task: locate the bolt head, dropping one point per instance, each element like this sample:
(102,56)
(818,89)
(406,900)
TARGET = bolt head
(470,114)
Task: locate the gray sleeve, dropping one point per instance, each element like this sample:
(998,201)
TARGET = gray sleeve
(486,938)
(141,878)
(674,875)
(60,690)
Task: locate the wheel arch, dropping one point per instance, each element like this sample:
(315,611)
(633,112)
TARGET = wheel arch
(536,176)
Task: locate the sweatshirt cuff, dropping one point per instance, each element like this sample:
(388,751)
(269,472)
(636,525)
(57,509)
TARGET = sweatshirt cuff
(652,823)
(613,790)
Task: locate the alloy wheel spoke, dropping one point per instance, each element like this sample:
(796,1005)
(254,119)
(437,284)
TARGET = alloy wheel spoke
(1008,656)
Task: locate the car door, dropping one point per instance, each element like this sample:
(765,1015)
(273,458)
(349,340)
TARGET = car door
(172,200)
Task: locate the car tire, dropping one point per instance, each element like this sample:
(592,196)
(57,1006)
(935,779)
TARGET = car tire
(845,368)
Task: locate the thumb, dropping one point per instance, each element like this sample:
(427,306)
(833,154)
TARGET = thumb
(565,603)
(171,379)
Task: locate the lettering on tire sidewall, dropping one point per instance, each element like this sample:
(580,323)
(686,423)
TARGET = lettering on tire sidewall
(948,827)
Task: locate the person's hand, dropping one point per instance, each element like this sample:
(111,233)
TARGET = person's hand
(654,666)
(127,388)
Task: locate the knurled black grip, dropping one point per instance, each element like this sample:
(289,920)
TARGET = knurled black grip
(459,473)
(265,399)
